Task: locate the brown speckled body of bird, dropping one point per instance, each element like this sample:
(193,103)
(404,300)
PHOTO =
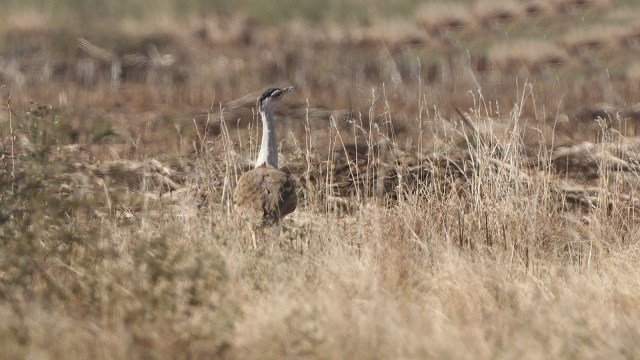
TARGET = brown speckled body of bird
(265,195)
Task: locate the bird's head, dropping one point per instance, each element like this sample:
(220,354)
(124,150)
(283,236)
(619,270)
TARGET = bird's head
(269,99)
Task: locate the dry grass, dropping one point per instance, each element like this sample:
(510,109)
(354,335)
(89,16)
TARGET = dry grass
(595,38)
(633,72)
(437,17)
(491,13)
(532,55)
(506,229)
(481,249)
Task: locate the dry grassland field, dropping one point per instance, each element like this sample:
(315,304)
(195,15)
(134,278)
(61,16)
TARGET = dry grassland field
(467,176)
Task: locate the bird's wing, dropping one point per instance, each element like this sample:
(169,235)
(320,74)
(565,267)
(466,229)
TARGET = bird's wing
(248,195)
(280,198)
(265,195)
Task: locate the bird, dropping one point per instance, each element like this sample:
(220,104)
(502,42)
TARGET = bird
(266,194)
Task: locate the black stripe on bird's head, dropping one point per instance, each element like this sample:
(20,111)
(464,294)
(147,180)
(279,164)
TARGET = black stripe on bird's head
(272,96)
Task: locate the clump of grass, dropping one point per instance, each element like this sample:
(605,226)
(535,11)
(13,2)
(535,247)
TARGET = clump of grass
(595,38)
(440,17)
(533,55)
(491,13)
(582,5)
(71,257)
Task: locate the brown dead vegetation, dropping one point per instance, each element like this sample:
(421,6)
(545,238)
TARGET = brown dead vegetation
(463,188)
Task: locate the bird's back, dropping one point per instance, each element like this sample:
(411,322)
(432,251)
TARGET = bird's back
(265,195)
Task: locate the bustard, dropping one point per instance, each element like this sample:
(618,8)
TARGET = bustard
(264,195)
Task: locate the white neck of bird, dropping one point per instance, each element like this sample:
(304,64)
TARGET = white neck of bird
(268,148)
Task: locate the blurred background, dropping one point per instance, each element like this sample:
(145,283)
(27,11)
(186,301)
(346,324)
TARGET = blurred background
(130,72)
(468,178)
